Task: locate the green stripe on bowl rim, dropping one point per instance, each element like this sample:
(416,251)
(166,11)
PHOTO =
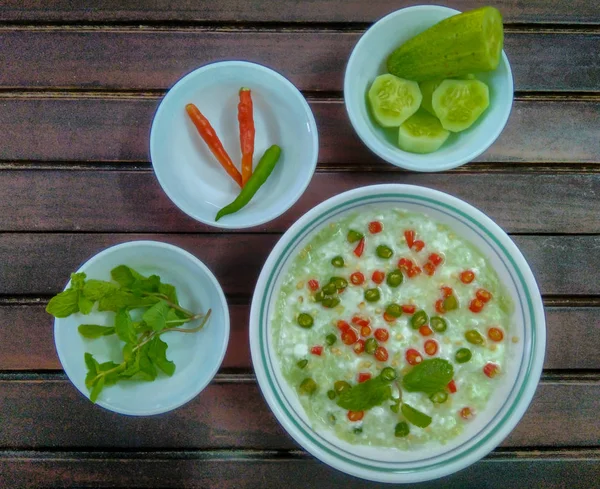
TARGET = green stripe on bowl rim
(491,428)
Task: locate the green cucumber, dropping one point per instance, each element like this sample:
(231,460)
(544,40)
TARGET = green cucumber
(428,87)
(459,103)
(393,100)
(465,43)
(421,133)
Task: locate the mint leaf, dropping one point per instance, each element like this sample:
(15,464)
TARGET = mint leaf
(95,331)
(92,366)
(148,285)
(169,291)
(147,369)
(97,289)
(429,376)
(125,276)
(124,327)
(122,299)
(77,281)
(64,304)
(157,352)
(112,377)
(156,316)
(85,305)
(415,417)
(364,396)
(98,386)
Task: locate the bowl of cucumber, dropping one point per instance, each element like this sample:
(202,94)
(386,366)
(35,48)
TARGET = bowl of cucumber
(428,88)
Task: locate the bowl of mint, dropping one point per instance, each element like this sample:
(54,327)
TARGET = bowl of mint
(141,328)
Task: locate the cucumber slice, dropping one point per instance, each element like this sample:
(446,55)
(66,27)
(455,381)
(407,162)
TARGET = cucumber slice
(459,103)
(465,43)
(429,86)
(393,99)
(421,133)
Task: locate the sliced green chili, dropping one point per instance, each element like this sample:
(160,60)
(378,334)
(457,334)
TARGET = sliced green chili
(394,278)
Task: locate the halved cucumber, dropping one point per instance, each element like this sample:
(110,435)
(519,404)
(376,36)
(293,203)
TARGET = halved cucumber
(421,133)
(393,99)
(459,103)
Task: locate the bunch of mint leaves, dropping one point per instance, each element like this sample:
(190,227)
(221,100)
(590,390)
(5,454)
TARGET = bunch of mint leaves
(157,311)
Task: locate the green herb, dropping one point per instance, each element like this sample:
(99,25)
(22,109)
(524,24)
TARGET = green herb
(366,395)
(144,352)
(429,376)
(415,417)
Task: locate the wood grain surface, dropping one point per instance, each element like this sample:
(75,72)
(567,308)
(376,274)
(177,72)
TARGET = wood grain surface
(78,128)
(27,341)
(329,11)
(315,61)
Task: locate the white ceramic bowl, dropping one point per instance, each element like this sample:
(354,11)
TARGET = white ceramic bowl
(514,389)
(197,356)
(368,60)
(189,173)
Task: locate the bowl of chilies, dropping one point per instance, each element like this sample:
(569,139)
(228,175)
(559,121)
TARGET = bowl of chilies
(234,144)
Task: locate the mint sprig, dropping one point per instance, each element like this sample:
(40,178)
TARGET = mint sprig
(429,376)
(366,395)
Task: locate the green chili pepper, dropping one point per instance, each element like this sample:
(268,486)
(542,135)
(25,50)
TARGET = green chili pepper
(341,386)
(394,278)
(439,397)
(463,355)
(384,251)
(340,282)
(354,236)
(388,373)
(371,345)
(330,302)
(302,363)
(419,319)
(401,430)
(357,431)
(337,261)
(394,310)
(330,339)
(308,386)
(372,295)
(450,303)
(319,296)
(438,324)
(305,320)
(474,337)
(259,177)
(331,394)
(329,289)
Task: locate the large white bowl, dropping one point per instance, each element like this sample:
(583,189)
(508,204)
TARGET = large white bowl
(514,390)
(197,356)
(368,60)
(189,173)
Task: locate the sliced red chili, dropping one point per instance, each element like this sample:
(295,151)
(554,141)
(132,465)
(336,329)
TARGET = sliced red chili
(476,305)
(413,357)
(435,259)
(388,318)
(410,237)
(467,277)
(357,278)
(382,334)
(355,415)
(405,263)
(343,326)
(418,245)
(413,272)
(378,276)
(409,309)
(429,268)
(359,321)
(316,350)
(381,354)
(483,295)
(495,334)
(375,227)
(359,347)
(439,306)
(365,331)
(447,291)
(466,413)
(491,370)
(360,247)
(452,386)
(313,285)
(431,347)
(425,330)
(363,377)
(349,337)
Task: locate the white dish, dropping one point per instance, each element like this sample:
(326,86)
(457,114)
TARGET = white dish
(189,173)
(368,60)
(197,356)
(514,390)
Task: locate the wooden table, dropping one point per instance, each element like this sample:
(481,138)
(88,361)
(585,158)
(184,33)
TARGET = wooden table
(79,83)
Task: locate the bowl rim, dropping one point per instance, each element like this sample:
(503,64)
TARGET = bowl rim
(225,327)
(399,159)
(526,382)
(310,162)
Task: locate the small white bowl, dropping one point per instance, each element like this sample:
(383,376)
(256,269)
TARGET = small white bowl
(514,389)
(189,173)
(197,356)
(368,60)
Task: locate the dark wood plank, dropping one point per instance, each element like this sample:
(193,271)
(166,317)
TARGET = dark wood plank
(26,338)
(513,11)
(49,200)
(116,129)
(561,414)
(313,60)
(511,470)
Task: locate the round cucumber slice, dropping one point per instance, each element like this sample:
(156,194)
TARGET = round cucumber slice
(427,89)
(393,99)
(459,103)
(421,133)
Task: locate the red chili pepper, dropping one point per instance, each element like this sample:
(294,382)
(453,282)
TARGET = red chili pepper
(405,263)
(349,337)
(360,321)
(313,285)
(431,347)
(360,247)
(355,415)
(491,370)
(483,295)
(365,331)
(359,347)
(418,245)
(246,121)
(476,305)
(357,278)
(343,326)
(208,134)
(410,237)
(381,354)
(413,357)
(316,350)
(378,276)
(382,334)
(435,259)
(495,334)
(425,330)
(429,268)
(439,306)
(452,386)
(413,272)
(446,291)
(466,413)
(363,377)
(375,227)
(467,277)
(409,309)
(388,318)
